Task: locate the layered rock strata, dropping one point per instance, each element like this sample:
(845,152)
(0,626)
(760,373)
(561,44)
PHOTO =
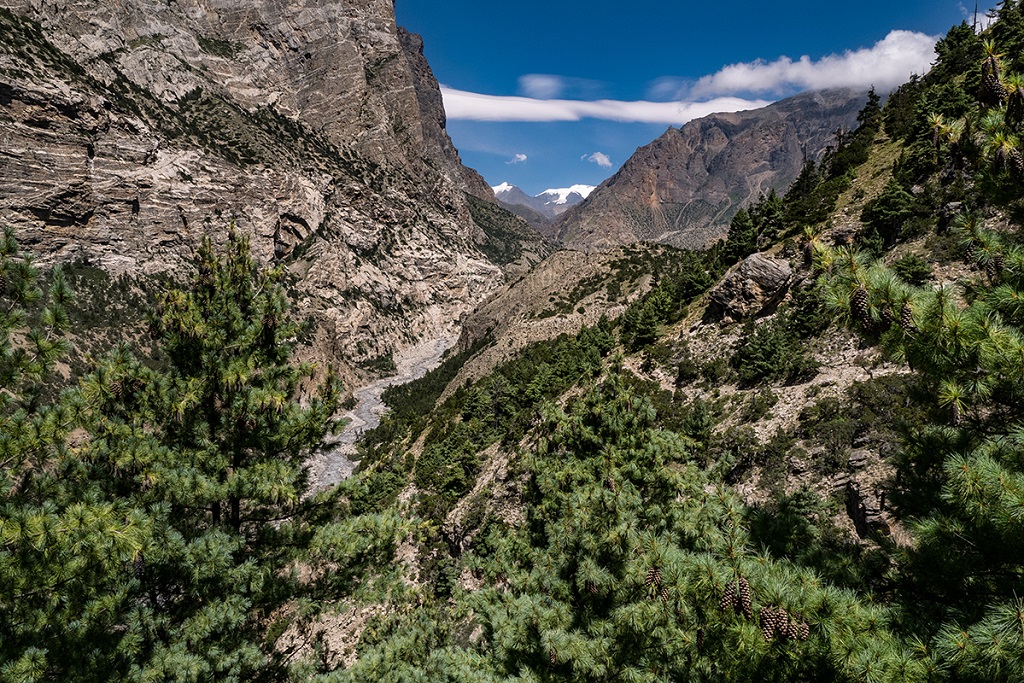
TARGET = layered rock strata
(132,129)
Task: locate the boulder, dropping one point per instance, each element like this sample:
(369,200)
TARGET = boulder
(756,287)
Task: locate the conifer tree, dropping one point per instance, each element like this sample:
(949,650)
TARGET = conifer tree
(635,566)
(211,443)
(62,546)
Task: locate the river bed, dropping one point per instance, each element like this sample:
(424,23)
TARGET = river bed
(338,461)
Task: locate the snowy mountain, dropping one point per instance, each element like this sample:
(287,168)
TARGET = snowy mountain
(549,203)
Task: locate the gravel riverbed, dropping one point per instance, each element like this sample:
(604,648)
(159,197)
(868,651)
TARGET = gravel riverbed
(338,461)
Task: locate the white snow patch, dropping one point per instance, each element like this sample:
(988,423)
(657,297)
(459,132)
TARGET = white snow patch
(561,195)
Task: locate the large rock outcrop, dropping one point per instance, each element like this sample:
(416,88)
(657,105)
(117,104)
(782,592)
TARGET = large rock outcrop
(756,286)
(131,129)
(685,187)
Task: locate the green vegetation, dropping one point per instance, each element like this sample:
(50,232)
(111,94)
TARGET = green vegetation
(574,514)
(218,47)
(148,511)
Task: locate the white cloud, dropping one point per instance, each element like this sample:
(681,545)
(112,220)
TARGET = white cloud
(599,158)
(737,87)
(541,86)
(517,159)
(984,17)
(469,106)
(885,65)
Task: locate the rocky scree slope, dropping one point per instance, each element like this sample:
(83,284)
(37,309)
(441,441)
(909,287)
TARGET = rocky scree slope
(130,130)
(685,187)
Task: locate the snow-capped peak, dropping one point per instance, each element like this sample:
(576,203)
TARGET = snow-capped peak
(504,187)
(561,195)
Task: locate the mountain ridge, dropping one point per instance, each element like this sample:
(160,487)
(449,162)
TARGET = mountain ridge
(550,203)
(683,188)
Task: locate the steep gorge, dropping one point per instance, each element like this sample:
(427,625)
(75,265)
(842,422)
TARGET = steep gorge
(131,130)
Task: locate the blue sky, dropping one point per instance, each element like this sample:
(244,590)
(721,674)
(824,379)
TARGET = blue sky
(551,94)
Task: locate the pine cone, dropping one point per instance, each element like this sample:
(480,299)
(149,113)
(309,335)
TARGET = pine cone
(116,387)
(907,319)
(972,252)
(653,577)
(769,623)
(990,269)
(745,602)
(728,600)
(955,414)
(994,87)
(700,639)
(3,283)
(664,593)
(591,587)
(887,317)
(803,631)
(999,260)
(553,657)
(789,629)
(859,304)
(1017,162)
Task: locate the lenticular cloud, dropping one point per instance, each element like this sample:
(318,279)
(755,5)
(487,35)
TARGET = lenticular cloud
(468,106)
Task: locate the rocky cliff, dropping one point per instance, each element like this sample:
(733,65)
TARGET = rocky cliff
(684,188)
(131,129)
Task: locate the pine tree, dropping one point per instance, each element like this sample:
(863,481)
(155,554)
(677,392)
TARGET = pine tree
(63,547)
(628,553)
(211,442)
(742,238)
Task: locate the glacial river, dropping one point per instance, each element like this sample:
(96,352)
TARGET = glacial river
(338,462)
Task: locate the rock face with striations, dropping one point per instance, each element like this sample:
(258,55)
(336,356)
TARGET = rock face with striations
(131,129)
(759,283)
(685,187)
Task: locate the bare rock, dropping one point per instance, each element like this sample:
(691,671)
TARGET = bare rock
(132,129)
(755,287)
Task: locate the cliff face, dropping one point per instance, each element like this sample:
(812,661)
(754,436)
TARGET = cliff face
(685,187)
(131,129)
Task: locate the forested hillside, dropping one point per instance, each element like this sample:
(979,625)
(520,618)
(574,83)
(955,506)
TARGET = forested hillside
(796,456)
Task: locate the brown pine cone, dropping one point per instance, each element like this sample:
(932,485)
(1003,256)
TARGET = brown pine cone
(907,319)
(971,253)
(653,577)
(768,623)
(859,304)
(728,600)
(745,602)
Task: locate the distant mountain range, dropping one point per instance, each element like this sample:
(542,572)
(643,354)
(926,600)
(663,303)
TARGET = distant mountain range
(684,188)
(544,207)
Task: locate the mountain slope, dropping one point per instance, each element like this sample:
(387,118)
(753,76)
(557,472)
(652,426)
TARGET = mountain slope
(683,188)
(132,131)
